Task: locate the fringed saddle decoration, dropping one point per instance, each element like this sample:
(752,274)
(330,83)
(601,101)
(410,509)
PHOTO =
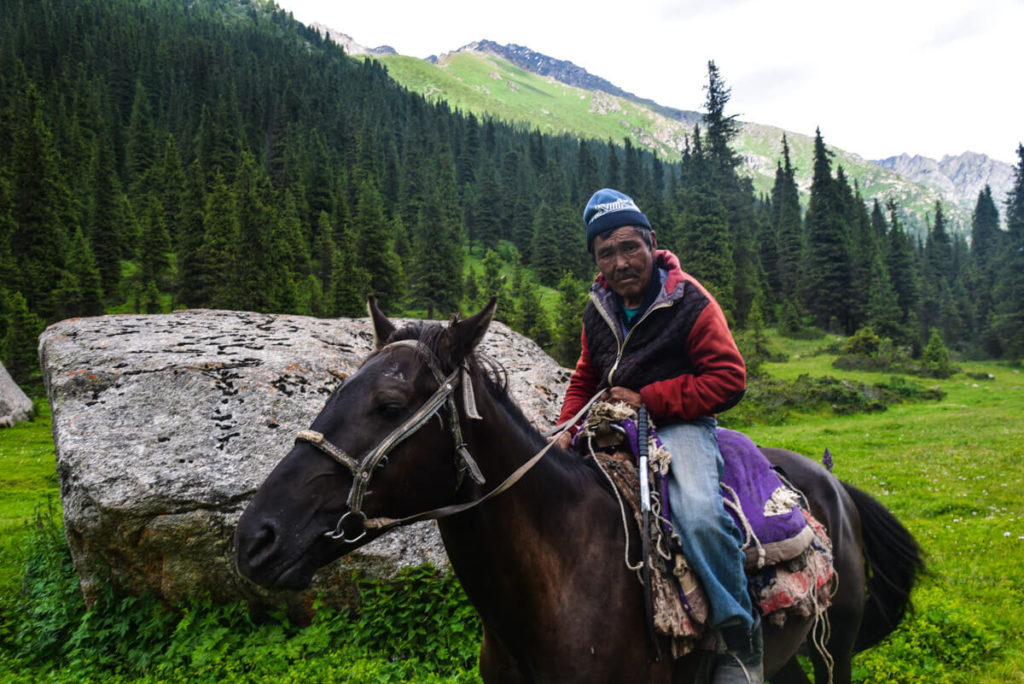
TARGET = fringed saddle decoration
(789,554)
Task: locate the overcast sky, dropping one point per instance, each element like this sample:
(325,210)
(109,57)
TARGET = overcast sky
(879,77)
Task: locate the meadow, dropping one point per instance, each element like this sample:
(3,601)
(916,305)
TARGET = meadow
(951,469)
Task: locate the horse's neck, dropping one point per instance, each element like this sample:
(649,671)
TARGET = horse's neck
(544,509)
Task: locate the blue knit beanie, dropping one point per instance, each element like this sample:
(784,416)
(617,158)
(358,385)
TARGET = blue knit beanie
(609,209)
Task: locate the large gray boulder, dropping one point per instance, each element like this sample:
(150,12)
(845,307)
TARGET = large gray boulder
(165,425)
(15,406)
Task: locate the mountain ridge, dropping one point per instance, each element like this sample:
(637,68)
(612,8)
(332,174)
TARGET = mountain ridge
(665,130)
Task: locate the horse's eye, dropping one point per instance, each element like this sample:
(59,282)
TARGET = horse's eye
(390,409)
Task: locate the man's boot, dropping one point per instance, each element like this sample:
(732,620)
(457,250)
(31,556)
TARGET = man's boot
(742,660)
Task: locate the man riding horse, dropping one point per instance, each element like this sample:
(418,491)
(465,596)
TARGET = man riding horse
(654,336)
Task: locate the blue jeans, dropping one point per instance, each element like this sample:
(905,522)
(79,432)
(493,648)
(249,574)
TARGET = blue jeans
(711,540)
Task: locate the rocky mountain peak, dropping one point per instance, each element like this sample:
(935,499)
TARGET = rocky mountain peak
(348,44)
(960,177)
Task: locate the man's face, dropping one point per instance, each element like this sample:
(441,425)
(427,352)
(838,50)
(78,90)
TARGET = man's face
(626,262)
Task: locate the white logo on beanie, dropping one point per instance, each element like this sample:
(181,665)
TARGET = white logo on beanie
(608,207)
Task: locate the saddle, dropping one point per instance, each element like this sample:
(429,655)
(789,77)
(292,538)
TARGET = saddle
(788,553)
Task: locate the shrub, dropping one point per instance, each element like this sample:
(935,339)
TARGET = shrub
(417,627)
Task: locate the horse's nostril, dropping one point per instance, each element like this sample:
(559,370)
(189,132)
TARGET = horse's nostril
(262,545)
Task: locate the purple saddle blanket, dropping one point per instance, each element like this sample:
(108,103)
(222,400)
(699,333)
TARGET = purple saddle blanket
(773,525)
(766,511)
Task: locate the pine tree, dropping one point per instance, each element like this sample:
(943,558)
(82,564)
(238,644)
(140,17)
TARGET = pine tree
(828,272)
(81,265)
(720,130)
(901,266)
(883,309)
(704,249)
(106,227)
(530,318)
(21,341)
(375,249)
(155,245)
(190,240)
(141,150)
(548,258)
(40,238)
(217,270)
(572,299)
(1008,315)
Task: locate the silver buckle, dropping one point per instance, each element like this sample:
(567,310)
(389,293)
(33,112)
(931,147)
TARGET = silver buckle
(339,529)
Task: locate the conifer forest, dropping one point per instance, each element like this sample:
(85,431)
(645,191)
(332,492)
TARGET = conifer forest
(163,154)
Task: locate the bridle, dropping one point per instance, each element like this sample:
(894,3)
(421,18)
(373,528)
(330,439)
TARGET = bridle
(362,470)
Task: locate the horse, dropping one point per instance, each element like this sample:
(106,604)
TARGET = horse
(540,556)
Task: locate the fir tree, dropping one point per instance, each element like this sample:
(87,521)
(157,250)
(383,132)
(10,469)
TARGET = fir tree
(217,270)
(81,265)
(704,249)
(375,249)
(572,299)
(720,130)
(141,152)
(155,245)
(1008,314)
(39,239)
(106,227)
(530,318)
(901,266)
(828,272)
(883,309)
(21,341)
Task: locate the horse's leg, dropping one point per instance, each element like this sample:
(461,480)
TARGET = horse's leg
(496,664)
(790,673)
(832,506)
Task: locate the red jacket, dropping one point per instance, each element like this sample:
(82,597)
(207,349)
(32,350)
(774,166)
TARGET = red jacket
(680,355)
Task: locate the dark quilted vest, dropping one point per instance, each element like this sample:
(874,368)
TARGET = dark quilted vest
(654,348)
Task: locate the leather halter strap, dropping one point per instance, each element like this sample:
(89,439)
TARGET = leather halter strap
(362,470)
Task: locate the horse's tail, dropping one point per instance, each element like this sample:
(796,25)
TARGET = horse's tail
(894,561)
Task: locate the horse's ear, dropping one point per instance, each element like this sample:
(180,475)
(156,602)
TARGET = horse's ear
(462,337)
(382,327)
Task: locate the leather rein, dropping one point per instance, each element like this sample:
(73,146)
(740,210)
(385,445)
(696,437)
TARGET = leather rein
(362,470)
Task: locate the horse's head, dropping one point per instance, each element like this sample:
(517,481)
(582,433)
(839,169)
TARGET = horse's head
(374,453)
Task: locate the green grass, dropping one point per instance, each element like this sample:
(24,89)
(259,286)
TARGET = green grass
(951,470)
(28,478)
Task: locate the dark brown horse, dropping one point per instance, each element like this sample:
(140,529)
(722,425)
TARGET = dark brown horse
(543,561)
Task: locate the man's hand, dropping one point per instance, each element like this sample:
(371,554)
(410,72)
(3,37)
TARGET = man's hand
(624,395)
(564,440)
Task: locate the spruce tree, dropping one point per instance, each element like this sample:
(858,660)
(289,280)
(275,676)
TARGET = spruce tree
(572,299)
(155,245)
(21,342)
(720,129)
(106,219)
(704,247)
(141,149)
(375,248)
(1008,314)
(40,237)
(828,271)
(217,270)
(901,265)
(883,309)
(82,266)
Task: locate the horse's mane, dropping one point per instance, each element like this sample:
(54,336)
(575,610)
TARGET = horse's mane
(495,380)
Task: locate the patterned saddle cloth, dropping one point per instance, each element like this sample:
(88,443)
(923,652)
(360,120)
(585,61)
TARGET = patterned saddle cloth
(789,555)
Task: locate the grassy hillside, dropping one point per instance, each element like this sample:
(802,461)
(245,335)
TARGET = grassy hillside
(483,83)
